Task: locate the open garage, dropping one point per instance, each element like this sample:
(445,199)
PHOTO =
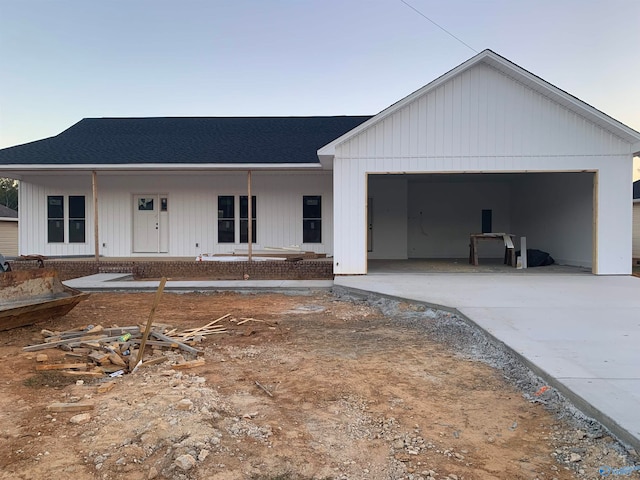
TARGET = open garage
(487,147)
(432,215)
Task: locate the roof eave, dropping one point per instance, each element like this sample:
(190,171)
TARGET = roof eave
(158,167)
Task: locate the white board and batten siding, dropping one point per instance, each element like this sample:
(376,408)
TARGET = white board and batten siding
(192,210)
(33,227)
(482,120)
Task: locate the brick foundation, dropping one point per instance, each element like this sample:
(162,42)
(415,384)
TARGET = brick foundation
(276,270)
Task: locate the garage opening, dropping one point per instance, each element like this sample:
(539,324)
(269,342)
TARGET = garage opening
(427,219)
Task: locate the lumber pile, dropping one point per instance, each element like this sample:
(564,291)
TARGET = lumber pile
(96,351)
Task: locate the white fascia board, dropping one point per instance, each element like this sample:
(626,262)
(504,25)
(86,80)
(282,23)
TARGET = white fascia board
(8,219)
(195,167)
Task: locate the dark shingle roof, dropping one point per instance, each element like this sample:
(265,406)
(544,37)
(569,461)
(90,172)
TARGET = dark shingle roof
(636,190)
(7,212)
(167,140)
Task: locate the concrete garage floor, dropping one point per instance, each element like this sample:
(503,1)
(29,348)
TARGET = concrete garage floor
(581,333)
(462,265)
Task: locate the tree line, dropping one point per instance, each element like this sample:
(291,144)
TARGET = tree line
(9,193)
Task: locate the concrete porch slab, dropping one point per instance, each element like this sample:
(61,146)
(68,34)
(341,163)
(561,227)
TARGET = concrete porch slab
(103,282)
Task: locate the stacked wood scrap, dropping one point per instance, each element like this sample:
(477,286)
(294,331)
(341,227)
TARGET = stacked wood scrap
(98,351)
(292,253)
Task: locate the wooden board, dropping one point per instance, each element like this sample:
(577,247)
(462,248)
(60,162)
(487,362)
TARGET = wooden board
(191,364)
(71,407)
(61,366)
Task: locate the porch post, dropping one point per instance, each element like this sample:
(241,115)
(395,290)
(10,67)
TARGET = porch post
(96,240)
(250,217)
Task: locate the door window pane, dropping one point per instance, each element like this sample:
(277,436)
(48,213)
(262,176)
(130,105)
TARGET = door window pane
(145,204)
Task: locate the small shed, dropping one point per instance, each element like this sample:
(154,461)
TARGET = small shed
(8,232)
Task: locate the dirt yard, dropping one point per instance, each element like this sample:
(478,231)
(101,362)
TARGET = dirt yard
(324,387)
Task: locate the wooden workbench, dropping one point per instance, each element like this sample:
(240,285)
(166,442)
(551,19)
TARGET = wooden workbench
(507,238)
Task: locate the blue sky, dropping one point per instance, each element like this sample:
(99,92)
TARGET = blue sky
(63,60)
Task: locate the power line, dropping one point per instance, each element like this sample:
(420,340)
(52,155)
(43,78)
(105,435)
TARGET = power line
(439,26)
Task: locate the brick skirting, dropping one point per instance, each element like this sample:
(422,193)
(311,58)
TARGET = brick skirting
(276,270)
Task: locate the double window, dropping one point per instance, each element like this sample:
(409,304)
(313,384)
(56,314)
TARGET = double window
(312,219)
(234,221)
(66,219)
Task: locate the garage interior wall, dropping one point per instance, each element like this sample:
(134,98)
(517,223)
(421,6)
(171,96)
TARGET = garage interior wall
(555,212)
(443,214)
(439,211)
(388,195)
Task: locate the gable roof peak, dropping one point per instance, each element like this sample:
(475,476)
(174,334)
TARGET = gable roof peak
(515,72)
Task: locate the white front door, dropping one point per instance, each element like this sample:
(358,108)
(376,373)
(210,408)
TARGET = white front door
(150,223)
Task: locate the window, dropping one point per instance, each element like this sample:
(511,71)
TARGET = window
(55,219)
(229,219)
(74,217)
(226,219)
(244,215)
(145,204)
(312,219)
